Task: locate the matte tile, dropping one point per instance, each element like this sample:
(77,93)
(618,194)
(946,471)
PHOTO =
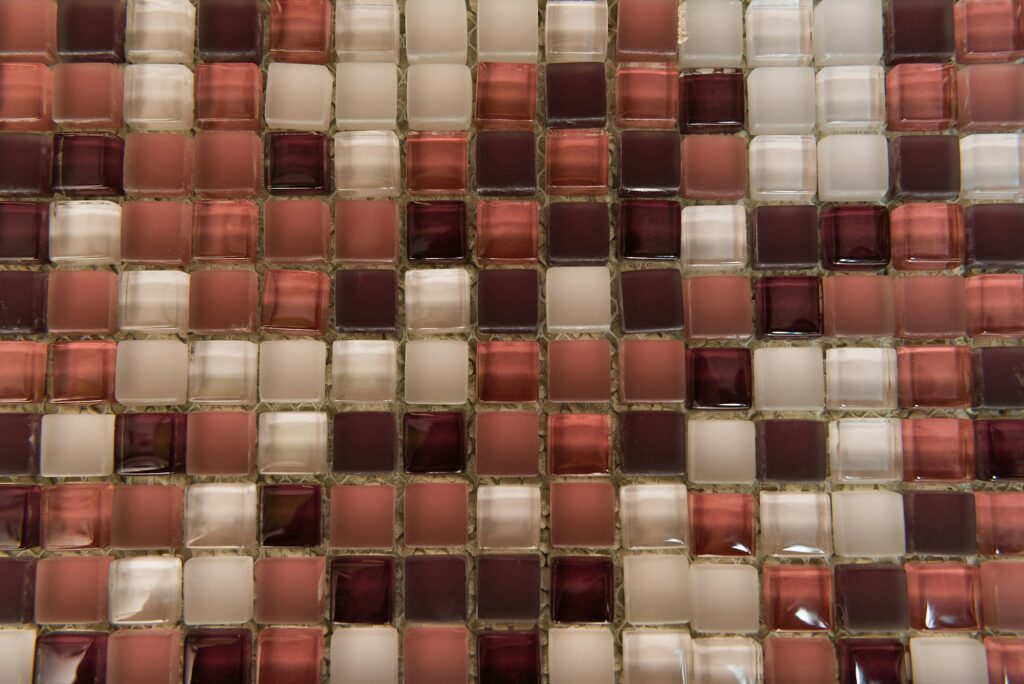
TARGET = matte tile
(508,587)
(576,95)
(506,163)
(578,232)
(871,598)
(435,588)
(366,300)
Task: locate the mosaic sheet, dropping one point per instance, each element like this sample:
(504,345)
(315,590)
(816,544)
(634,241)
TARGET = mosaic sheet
(656,342)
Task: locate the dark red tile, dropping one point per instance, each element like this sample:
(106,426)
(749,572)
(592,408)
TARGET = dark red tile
(435,442)
(24,232)
(998,377)
(506,163)
(999,449)
(871,598)
(582,589)
(437,163)
(230,31)
(22,302)
(508,657)
(995,235)
(90,30)
(711,102)
(576,95)
(366,300)
(76,658)
(17,590)
(298,164)
(436,231)
(788,307)
(872,661)
(218,656)
(86,165)
(924,166)
(295,302)
(797,598)
(508,371)
(19,515)
(785,237)
(578,233)
(721,524)
(508,587)
(290,515)
(435,589)
(150,443)
(918,31)
(651,300)
(940,523)
(19,443)
(649,163)
(32,175)
(578,443)
(364,442)
(363,589)
(506,95)
(649,229)
(652,442)
(855,237)
(791,450)
(719,378)
(507,300)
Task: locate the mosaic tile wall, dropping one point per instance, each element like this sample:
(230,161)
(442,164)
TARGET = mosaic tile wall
(655,343)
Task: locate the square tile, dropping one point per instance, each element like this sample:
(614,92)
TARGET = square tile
(795,524)
(290,515)
(436,514)
(582,589)
(362,590)
(721,524)
(871,598)
(435,588)
(725,598)
(289,590)
(508,517)
(582,514)
(657,589)
(797,598)
(292,442)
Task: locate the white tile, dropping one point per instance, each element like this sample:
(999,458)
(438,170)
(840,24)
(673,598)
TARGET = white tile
(578,299)
(847,32)
(853,168)
(726,598)
(293,371)
(506,31)
(436,31)
(788,379)
(220,515)
(292,443)
(508,517)
(860,378)
(714,236)
(868,523)
(151,372)
(721,451)
(778,32)
(656,656)
(654,516)
(158,97)
(436,372)
(657,589)
(223,372)
(782,168)
(796,524)
(154,301)
(366,164)
(366,31)
(991,166)
(17,652)
(440,97)
(712,33)
(780,100)
(865,450)
(145,590)
(576,31)
(299,97)
(364,370)
(366,96)
(85,233)
(161,31)
(76,445)
(949,660)
(726,661)
(581,655)
(218,590)
(850,98)
(364,655)
(437,300)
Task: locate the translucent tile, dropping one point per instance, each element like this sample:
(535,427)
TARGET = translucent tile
(506,32)
(782,168)
(364,370)
(726,598)
(576,31)
(292,442)
(780,100)
(76,445)
(85,232)
(713,33)
(865,451)
(850,98)
(508,517)
(581,656)
(436,31)
(364,655)
(853,168)
(795,524)
(300,31)
(721,451)
(948,661)
(218,590)
(298,97)
(17,648)
(439,97)
(151,372)
(740,658)
(161,31)
(656,655)
(367,31)
(292,371)
(991,166)
(861,378)
(654,516)
(577,299)
(145,590)
(789,379)
(436,372)
(437,300)
(366,164)
(366,96)
(220,516)
(714,236)
(154,301)
(868,523)
(158,97)
(847,32)
(223,372)
(657,589)
(778,32)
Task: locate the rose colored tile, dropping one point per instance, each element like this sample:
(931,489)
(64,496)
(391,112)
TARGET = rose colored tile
(799,660)
(577,162)
(225,231)
(76,516)
(508,587)
(946,314)
(797,598)
(871,597)
(289,654)
(295,231)
(82,302)
(927,237)
(714,167)
(88,96)
(647,31)
(507,231)
(652,371)
(290,590)
(506,95)
(29,31)
(582,514)
(19,515)
(939,449)
(721,524)
(72,590)
(223,302)
(934,376)
(229,96)
(718,307)
(228,164)
(437,163)
(1005,659)
(158,164)
(989,97)
(364,442)
(25,97)
(300,31)
(988,31)
(944,596)
(221,443)
(577,444)
(506,163)
(858,306)
(1002,595)
(995,304)
(151,655)
(999,516)
(362,589)
(362,516)
(919,97)
(435,655)
(646,97)
(366,230)
(435,588)
(24,232)
(83,372)
(579,370)
(436,514)
(507,443)
(508,372)
(147,517)
(582,588)
(22,372)
(295,302)
(940,523)
(156,232)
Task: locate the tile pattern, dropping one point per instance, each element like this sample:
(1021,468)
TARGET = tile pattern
(368,342)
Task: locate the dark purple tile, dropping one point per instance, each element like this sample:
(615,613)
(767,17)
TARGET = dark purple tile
(999,377)
(576,96)
(77,658)
(218,656)
(150,443)
(582,589)
(86,165)
(871,598)
(290,515)
(995,235)
(436,231)
(711,102)
(366,300)
(918,31)
(785,236)
(24,232)
(22,302)
(872,661)
(791,450)
(506,163)
(649,163)
(507,300)
(788,307)
(435,442)
(999,449)
(940,523)
(435,588)
(364,442)
(649,229)
(651,300)
(719,378)
(230,31)
(17,590)
(508,657)
(924,166)
(19,443)
(855,237)
(508,587)
(90,30)
(298,164)
(578,233)
(363,589)
(652,443)
(19,516)
(31,176)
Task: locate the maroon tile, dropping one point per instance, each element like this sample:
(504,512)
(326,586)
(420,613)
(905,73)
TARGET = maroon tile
(435,589)
(17,590)
(506,163)
(785,237)
(90,30)
(436,231)
(435,442)
(32,175)
(508,657)
(508,587)
(230,31)
(290,515)
(924,166)
(918,31)
(649,229)
(298,164)
(791,450)
(651,300)
(86,165)
(19,443)
(711,102)
(74,658)
(364,442)
(995,235)
(998,382)
(366,300)
(22,302)
(719,378)
(19,515)
(999,449)
(576,95)
(940,523)
(363,589)
(872,661)
(582,589)
(652,442)
(578,233)
(649,163)
(871,598)
(508,300)
(24,232)
(150,443)
(220,656)
(855,237)
(788,307)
